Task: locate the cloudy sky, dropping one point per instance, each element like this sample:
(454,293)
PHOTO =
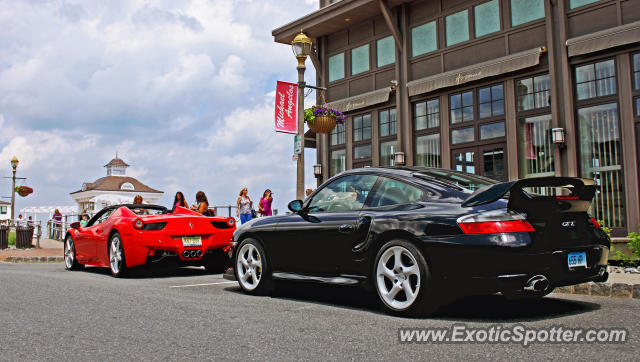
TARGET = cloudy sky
(181,89)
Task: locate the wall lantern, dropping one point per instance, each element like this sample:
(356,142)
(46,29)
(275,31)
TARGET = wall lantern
(558,136)
(317,170)
(398,158)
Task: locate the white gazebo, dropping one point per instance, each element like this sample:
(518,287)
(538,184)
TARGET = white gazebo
(116,188)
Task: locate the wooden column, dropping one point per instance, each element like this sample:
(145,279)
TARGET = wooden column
(511,124)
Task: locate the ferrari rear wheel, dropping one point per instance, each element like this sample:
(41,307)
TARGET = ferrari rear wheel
(117,263)
(403,281)
(70,261)
(252,268)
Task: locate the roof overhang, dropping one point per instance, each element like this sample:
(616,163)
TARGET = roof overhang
(605,39)
(507,64)
(331,18)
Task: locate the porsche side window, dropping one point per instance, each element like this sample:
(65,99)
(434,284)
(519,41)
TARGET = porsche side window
(344,194)
(392,192)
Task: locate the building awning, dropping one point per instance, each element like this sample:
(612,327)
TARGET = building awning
(361,100)
(605,39)
(474,72)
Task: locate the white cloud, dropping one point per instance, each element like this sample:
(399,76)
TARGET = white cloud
(176,88)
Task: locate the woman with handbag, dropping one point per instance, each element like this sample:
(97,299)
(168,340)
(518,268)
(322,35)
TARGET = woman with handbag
(244,203)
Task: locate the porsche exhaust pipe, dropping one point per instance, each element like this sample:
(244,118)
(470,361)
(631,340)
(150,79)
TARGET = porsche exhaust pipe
(538,283)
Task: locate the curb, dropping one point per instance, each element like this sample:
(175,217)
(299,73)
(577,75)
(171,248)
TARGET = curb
(614,290)
(34,259)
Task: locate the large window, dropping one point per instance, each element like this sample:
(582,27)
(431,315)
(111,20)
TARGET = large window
(535,151)
(599,140)
(596,80)
(427,127)
(337,135)
(577,3)
(387,150)
(524,11)
(461,107)
(3,210)
(336,67)
(491,101)
(486,18)
(361,127)
(535,147)
(424,39)
(338,162)
(457,27)
(533,92)
(636,71)
(387,122)
(361,140)
(601,159)
(386,51)
(360,59)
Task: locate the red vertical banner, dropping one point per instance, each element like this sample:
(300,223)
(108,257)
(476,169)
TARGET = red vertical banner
(286,107)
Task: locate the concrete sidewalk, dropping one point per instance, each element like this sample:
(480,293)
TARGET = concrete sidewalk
(50,251)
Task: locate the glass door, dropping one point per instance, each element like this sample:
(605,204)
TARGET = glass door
(464,160)
(488,161)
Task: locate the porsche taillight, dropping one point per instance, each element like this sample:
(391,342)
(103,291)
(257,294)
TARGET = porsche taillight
(595,222)
(494,222)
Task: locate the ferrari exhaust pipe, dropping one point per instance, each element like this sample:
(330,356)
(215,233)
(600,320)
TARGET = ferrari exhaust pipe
(185,254)
(538,283)
(199,253)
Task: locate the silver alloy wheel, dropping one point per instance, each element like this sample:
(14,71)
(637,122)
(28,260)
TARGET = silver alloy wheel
(398,278)
(69,253)
(249,266)
(115,254)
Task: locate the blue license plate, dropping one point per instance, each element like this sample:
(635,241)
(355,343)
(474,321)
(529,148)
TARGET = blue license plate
(577,260)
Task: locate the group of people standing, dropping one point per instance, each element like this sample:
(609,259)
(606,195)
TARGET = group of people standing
(245,210)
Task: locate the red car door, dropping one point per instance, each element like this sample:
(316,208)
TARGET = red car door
(82,248)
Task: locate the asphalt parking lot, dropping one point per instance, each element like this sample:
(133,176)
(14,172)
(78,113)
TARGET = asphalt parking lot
(49,313)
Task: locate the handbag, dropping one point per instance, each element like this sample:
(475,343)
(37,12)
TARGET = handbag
(254,214)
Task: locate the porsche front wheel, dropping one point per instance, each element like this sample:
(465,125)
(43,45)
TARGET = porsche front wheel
(252,268)
(70,260)
(116,256)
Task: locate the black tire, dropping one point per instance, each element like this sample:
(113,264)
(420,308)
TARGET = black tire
(424,301)
(121,269)
(70,256)
(217,262)
(248,252)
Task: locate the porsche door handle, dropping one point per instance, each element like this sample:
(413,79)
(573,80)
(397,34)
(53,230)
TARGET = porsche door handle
(346,228)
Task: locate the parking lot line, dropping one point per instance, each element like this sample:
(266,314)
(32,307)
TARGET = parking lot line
(199,285)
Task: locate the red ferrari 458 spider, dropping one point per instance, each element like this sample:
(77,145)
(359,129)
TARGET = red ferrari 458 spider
(124,236)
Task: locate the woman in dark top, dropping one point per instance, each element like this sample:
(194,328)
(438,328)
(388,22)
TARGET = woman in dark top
(179,200)
(202,206)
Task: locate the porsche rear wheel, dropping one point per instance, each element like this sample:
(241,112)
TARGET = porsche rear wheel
(70,261)
(117,263)
(252,268)
(403,281)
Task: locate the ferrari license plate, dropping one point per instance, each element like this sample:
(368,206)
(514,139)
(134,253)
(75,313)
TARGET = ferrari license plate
(577,260)
(191,241)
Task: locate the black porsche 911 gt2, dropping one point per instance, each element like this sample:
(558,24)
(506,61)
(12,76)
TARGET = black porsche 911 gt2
(414,234)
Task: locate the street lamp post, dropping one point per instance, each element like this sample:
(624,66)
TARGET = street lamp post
(14,165)
(301,45)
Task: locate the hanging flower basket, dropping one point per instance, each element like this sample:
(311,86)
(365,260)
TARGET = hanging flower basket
(24,190)
(322,119)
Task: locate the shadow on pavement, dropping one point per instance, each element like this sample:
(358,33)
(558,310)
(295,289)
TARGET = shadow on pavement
(153,272)
(490,308)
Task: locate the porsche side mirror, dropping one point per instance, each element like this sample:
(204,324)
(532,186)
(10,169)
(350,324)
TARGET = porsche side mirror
(75,225)
(295,206)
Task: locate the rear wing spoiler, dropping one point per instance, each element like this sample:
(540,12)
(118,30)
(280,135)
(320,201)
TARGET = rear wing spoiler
(580,189)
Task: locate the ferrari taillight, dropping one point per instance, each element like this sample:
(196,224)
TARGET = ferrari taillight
(494,222)
(138,224)
(231,222)
(595,222)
